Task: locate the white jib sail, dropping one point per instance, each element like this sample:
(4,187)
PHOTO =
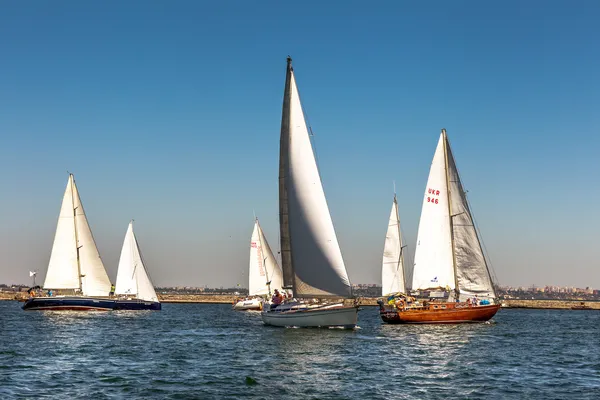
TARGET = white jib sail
(63,271)
(392,271)
(263,265)
(434,265)
(132,277)
(94,279)
(471,268)
(316,256)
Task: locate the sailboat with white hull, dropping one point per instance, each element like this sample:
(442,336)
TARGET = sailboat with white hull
(134,289)
(75,266)
(264,273)
(449,261)
(311,258)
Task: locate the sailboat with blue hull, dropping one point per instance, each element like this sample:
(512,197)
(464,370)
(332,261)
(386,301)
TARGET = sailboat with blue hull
(75,270)
(134,289)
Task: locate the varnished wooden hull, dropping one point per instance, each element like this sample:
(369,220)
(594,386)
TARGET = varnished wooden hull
(450,315)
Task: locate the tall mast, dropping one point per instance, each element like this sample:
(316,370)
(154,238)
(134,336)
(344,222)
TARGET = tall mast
(284,227)
(77,247)
(456,289)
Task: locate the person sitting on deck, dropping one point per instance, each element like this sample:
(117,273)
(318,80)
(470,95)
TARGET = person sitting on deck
(276,299)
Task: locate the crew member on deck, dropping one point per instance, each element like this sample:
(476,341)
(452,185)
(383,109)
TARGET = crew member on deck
(112,290)
(276,299)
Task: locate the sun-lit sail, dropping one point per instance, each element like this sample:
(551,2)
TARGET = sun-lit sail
(74,261)
(392,271)
(264,273)
(132,277)
(311,257)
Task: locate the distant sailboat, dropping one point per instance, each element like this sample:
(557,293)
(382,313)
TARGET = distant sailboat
(75,266)
(311,257)
(134,288)
(449,260)
(263,275)
(392,270)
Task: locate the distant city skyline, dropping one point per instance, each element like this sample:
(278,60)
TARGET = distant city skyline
(170,114)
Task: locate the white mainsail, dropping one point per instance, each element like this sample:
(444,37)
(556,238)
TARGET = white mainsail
(311,257)
(132,277)
(263,265)
(448,253)
(392,270)
(74,261)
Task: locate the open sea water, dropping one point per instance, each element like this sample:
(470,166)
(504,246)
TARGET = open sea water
(198,351)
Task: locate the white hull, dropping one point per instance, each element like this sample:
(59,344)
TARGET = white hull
(345,317)
(252,304)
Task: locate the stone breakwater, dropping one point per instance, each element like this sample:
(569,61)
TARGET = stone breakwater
(364,301)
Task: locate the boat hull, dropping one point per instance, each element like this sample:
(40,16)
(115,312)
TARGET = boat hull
(344,317)
(453,315)
(137,304)
(245,305)
(69,304)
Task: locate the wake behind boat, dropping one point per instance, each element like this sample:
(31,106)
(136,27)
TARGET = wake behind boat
(134,288)
(450,274)
(75,268)
(311,258)
(263,273)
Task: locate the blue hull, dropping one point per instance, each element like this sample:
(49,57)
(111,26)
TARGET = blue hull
(137,305)
(74,303)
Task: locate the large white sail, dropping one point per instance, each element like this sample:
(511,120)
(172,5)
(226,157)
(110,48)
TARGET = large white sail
(94,279)
(314,256)
(392,271)
(63,271)
(263,265)
(132,277)
(448,252)
(471,269)
(434,264)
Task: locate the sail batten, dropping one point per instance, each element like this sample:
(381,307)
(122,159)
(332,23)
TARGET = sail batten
(263,265)
(309,246)
(392,275)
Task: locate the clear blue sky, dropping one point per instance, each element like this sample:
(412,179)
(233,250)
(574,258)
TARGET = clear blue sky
(169,113)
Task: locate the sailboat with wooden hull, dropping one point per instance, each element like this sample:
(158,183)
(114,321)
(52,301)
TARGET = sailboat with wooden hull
(75,267)
(264,273)
(134,289)
(451,279)
(311,258)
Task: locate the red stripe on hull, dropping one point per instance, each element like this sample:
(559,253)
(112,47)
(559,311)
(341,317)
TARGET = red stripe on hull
(69,308)
(451,315)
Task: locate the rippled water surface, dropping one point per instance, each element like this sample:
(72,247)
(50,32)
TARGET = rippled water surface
(195,351)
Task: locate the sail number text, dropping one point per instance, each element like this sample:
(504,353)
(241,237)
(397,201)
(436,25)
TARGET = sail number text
(432,192)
